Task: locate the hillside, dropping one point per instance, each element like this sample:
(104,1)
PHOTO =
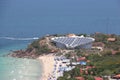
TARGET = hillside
(36,48)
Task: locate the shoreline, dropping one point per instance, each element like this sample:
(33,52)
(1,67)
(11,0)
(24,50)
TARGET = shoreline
(47,65)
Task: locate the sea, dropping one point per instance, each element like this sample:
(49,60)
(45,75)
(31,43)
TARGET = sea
(23,21)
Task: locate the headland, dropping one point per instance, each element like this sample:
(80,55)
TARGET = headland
(95,56)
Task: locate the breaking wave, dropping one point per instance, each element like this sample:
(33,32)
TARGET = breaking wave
(13,38)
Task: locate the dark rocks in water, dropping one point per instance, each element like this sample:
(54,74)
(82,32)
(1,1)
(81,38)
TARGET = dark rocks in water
(24,54)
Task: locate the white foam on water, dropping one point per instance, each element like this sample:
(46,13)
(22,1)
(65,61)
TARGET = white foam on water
(13,38)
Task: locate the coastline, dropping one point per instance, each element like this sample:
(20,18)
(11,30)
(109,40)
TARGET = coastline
(47,65)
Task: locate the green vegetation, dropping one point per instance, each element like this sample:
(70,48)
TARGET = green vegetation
(106,65)
(100,37)
(103,38)
(104,62)
(39,49)
(70,75)
(82,34)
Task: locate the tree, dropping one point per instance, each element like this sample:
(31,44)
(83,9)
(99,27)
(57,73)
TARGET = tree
(106,72)
(61,78)
(76,72)
(43,49)
(89,77)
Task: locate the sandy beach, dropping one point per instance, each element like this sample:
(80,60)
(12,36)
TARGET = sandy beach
(48,65)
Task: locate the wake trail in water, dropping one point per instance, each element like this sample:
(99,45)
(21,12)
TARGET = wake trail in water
(13,38)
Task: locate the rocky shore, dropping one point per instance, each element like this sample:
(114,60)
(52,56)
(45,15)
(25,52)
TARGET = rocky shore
(36,48)
(24,54)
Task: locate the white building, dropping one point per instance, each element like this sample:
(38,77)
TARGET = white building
(73,42)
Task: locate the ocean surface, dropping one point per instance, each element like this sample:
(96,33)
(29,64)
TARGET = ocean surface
(22,21)
(14,68)
(19,69)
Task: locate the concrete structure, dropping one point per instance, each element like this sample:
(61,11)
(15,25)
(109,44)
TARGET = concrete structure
(111,39)
(98,45)
(73,42)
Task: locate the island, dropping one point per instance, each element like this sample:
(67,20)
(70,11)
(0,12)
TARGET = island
(76,56)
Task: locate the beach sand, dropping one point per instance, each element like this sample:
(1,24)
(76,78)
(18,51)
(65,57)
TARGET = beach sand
(48,65)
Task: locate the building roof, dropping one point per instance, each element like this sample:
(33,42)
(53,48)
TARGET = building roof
(81,59)
(117,76)
(79,78)
(71,35)
(90,67)
(71,42)
(111,39)
(83,62)
(98,78)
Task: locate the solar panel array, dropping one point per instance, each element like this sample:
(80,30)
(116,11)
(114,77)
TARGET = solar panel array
(73,41)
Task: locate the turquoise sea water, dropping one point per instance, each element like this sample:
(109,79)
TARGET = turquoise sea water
(24,19)
(18,69)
